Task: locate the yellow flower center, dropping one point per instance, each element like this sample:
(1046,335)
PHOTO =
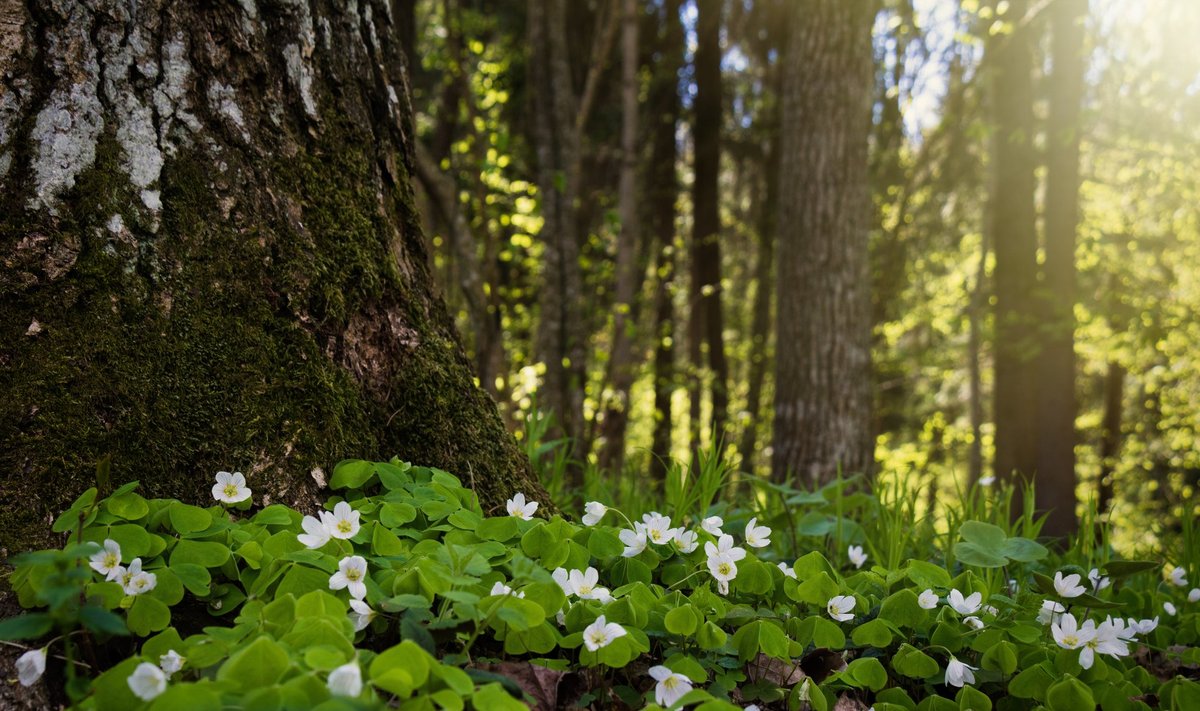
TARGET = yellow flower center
(110,561)
(1070,640)
(231,490)
(670,683)
(598,637)
(353,575)
(724,568)
(344,526)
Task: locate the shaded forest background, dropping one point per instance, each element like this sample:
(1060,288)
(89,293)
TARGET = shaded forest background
(963,233)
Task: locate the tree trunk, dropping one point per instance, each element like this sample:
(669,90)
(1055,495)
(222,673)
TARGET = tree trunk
(1014,240)
(706,223)
(823,342)
(1110,435)
(662,186)
(1056,359)
(210,258)
(623,362)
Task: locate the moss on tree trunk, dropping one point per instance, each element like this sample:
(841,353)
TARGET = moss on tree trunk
(210,259)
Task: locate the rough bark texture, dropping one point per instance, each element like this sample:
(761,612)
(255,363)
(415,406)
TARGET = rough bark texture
(209,257)
(1014,240)
(663,187)
(1056,359)
(707,317)
(823,346)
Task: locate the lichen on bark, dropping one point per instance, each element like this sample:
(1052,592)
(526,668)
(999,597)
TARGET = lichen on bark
(259,300)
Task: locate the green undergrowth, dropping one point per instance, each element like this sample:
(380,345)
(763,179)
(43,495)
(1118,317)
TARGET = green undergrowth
(402,592)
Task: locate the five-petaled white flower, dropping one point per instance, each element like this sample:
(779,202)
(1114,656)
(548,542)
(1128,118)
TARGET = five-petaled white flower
(856,556)
(170,662)
(343,523)
(686,541)
(1103,638)
(134,581)
(724,546)
(928,599)
(968,605)
(499,588)
(788,570)
(1194,595)
(1068,586)
(723,569)
(583,582)
(230,488)
(519,507)
(346,681)
(1143,626)
(658,528)
(840,607)
(635,542)
(601,633)
(1098,581)
(1177,577)
(107,560)
(361,614)
(593,511)
(712,525)
(1050,611)
(1068,634)
(1169,608)
(670,688)
(316,530)
(973,622)
(352,572)
(147,681)
(959,673)
(31,665)
(757,536)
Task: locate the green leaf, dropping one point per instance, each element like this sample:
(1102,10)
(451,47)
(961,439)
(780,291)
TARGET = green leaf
(985,535)
(351,474)
(868,672)
(401,669)
(188,697)
(974,554)
(31,625)
(194,577)
(1023,550)
(394,515)
(147,615)
(260,663)
(683,620)
(203,553)
(187,519)
(710,636)
(130,506)
(501,528)
(927,575)
(1000,657)
(1070,694)
(760,636)
(494,697)
(275,515)
(132,538)
(912,662)
(903,609)
(603,544)
(816,590)
(972,699)
(875,633)
(69,519)
(97,619)
(1032,683)
(1125,568)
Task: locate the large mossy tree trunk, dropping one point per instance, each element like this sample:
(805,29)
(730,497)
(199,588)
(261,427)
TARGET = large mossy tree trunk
(209,257)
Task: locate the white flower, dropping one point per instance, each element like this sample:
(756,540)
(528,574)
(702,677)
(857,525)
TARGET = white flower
(147,681)
(593,512)
(1123,629)
(856,555)
(635,542)
(1144,626)
(517,506)
(561,577)
(840,607)
(584,582)
(343,523)
(1104,639)
(928,600)
(1098,581)
(499,588)
(987,481)
(352,571)
(346,681)
(973,622)
(230,488)
(1050,612)
(958,673)
(991,610)
(316,531)
(670,688)
(965,606)
(1194,595)
(723,569)
(788,570)
(361,614)
(658,528)
(757,536)
(136,582)
(1169,608)
(602,595)
(601,633)
(1069,635)
(712,525)
(1068,586)
(171,662)
(686,541)
(31,665)
(724,546)
(1178,577)
(107,560)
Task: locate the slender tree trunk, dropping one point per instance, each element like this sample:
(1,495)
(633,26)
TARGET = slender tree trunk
(823,343)
(978,302)
(623,362)
(662,187)
(210,259)
(706,225)
(1056,360)
(1014,240)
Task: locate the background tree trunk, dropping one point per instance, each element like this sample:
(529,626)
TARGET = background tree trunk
(1056,359)
(823,343)
(210,258)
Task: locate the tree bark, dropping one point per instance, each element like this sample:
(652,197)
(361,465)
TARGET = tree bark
(1056,359)
(210,258)
(1014,240)
(823,343)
